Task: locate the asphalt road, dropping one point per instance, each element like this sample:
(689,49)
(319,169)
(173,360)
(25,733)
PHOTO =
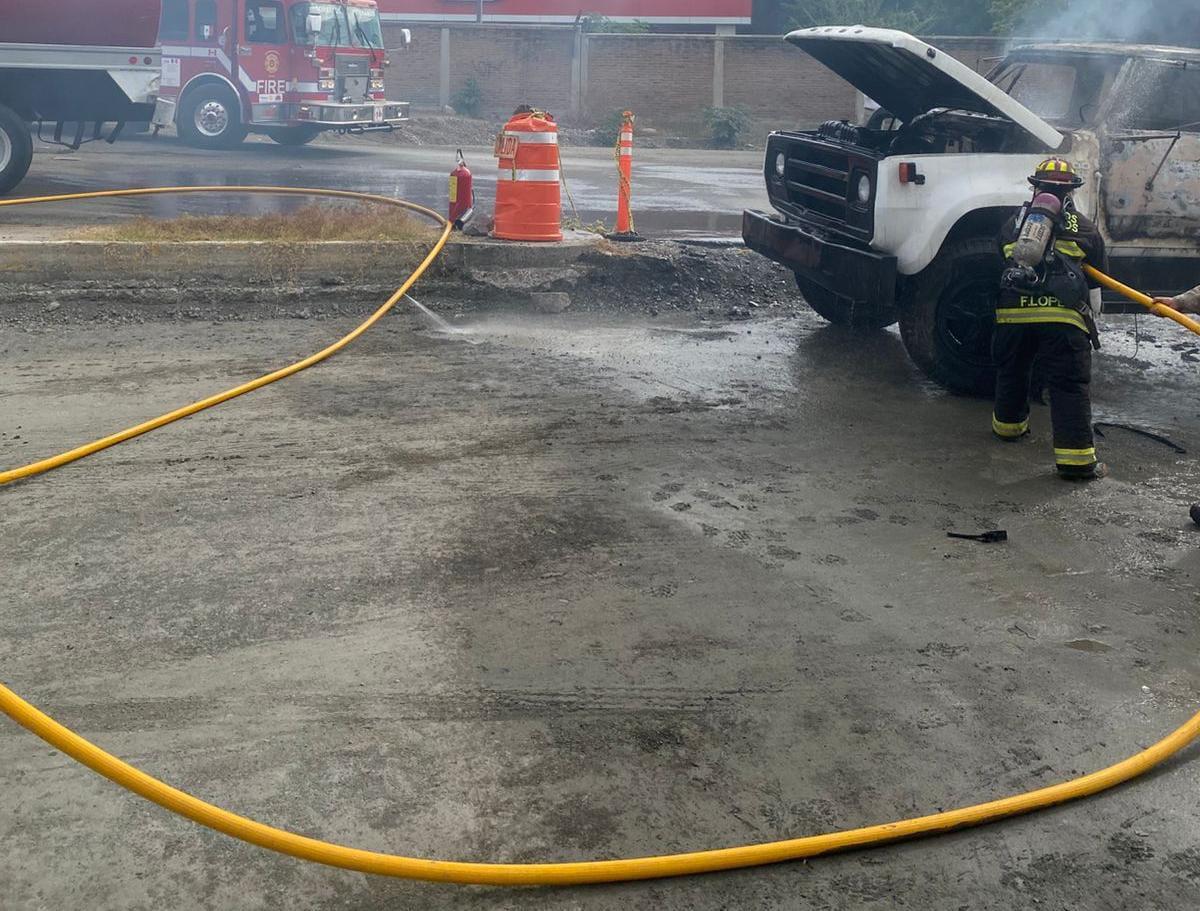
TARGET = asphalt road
(586,586)
(676,192)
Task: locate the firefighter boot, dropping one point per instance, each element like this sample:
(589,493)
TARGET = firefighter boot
(1097,472)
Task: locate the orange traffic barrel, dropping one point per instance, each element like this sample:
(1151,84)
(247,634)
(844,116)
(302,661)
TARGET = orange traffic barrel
(528,194)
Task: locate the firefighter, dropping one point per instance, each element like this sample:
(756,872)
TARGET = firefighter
(1188,302)
(1048,314)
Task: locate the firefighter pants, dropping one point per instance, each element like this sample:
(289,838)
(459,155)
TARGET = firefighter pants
(1064,356)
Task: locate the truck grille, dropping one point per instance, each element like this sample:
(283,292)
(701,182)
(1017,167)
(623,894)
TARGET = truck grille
(352,66)
(818,179)
(820,183)
(352,73)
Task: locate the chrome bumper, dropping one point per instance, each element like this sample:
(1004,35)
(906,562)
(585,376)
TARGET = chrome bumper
(324,114)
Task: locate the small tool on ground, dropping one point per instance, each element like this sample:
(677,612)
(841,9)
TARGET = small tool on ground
(988,537)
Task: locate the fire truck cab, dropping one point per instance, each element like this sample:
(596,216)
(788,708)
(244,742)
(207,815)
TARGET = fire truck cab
(288,69)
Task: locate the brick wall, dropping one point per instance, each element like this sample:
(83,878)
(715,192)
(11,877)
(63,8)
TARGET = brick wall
(512,65)
(780,83)
(413,74)
(666,79)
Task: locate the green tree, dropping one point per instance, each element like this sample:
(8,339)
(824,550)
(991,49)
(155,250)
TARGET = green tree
(591,23)
(1009,15)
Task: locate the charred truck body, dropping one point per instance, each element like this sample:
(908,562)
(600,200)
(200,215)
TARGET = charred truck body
(216,69)
(899,220)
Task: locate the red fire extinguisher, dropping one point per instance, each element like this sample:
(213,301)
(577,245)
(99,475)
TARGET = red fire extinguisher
(462,193)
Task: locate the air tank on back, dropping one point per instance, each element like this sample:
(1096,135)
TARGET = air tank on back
(1037,231)
(91,23)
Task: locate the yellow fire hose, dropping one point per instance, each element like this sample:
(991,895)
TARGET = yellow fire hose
(574,874)
(604,871)
(1144,299)
(74,455)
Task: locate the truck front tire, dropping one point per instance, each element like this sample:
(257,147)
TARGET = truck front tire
(948,316)
(841,312)
(16,149)
(210,117)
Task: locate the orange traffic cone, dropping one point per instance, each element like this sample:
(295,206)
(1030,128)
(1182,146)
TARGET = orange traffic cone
(624,156)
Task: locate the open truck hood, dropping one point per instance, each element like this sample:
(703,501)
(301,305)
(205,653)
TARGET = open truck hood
(909,77)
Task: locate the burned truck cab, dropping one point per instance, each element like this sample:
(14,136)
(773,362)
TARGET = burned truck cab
(897,221)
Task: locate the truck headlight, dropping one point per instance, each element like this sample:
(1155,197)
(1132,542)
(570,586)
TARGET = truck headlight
(864,189)
(780,165)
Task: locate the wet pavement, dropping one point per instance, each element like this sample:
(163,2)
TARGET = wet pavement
(676,192)
(590,586)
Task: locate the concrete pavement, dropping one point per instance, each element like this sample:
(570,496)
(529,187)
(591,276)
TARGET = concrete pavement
(586,586)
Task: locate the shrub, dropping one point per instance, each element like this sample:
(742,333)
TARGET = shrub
(609,129)
(726,125)
(469,99)
(602,24)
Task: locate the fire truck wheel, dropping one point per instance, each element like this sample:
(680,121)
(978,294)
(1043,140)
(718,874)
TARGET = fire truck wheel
(841,312)
(210,117)
(294,136)
(16,149)
(948,316)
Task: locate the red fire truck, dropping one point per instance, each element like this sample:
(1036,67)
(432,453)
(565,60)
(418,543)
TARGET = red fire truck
(71,68)
(288,69)
(228,67)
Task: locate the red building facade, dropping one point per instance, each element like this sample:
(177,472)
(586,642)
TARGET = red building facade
(564,12)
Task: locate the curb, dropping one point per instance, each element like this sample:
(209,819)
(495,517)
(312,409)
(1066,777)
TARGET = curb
(97,263)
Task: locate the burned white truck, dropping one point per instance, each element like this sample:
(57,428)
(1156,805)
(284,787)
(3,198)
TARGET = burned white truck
(898,220)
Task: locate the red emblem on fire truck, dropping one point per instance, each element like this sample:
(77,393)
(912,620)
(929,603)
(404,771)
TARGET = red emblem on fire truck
(271,62)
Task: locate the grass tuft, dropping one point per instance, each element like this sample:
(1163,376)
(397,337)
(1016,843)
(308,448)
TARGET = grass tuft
(309,223)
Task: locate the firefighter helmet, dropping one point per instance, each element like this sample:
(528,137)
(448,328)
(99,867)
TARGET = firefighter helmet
(1058,173)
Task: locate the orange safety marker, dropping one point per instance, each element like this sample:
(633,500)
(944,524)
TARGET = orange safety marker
(624,153)
(528,192)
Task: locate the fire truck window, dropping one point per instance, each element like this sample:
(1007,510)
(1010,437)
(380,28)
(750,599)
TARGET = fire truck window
(335,29)
(206,18)
(174,26)
(264,23)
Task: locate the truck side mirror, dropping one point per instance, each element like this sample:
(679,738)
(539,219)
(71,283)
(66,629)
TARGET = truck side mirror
(315,23)
(206,32)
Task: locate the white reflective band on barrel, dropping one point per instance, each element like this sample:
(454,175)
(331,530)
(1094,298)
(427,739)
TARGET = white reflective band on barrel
(536,139)
(626,137)
(537,176)
(626,153)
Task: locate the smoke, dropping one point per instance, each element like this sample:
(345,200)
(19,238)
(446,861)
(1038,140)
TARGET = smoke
(1170,22)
